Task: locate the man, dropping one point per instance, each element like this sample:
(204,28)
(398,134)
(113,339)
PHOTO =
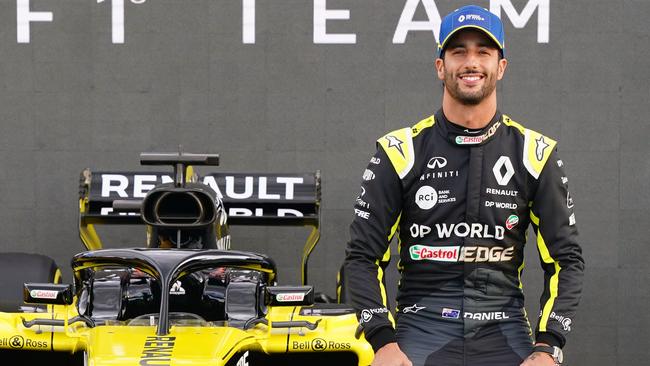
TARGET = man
(461,188)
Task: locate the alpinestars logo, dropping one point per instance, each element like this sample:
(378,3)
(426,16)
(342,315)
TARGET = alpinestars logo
(541,146)
(413,309)
(396,143)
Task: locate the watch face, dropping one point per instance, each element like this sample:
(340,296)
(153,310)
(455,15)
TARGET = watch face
(558,356)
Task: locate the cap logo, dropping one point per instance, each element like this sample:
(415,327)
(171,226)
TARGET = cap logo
(476,17)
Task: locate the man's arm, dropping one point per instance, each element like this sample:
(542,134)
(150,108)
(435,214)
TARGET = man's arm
(553,219)
(377,211)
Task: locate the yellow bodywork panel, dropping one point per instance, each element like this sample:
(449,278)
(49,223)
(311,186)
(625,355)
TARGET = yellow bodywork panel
(214,344)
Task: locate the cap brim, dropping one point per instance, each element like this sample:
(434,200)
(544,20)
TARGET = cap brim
(443,44)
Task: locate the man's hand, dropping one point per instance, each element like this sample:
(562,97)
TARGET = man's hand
(390,355)
(539,359)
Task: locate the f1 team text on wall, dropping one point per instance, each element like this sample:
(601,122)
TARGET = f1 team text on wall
(324,19)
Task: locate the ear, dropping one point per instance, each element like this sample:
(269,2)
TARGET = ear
(440,68)
(501,68)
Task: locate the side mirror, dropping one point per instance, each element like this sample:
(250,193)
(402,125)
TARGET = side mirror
(47,293)
(290,295)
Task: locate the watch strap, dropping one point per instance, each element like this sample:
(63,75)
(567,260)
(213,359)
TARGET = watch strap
(554,352)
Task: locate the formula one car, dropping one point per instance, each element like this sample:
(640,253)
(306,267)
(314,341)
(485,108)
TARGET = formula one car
(183,297)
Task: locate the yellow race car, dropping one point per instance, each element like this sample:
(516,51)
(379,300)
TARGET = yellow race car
(183,297)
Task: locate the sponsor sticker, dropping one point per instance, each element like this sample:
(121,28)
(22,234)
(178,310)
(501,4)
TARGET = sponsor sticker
(413,309)
(426,197)
(419,231)
(366,314)
(362,214)
(438,254)
(437,162)
(501,192)
(476,17)
(157,350)
(396,143)
(177,289)
(473,230)
(43,294)
(503,205)
(243,360)
(569,200)
(512,221)
(541,145)
(466,254)
(368,175)
(375,160)
(320,344)
(18,342)
(469,140)
(288,297)
(503,178)
(450,313)
(473,140)
(565,321)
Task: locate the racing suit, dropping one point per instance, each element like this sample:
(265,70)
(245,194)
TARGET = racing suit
(461,202)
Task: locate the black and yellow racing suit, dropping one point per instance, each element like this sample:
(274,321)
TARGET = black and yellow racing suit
(461,202)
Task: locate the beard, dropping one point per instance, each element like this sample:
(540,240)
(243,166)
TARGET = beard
(466,97)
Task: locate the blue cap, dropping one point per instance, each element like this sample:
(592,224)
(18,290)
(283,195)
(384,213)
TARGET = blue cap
(471,16)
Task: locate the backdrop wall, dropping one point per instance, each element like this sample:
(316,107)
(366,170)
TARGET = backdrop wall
(300,85)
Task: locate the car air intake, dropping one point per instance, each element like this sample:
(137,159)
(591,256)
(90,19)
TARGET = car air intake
(178,207)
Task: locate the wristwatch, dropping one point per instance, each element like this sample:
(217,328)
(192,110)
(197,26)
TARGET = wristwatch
(555,352)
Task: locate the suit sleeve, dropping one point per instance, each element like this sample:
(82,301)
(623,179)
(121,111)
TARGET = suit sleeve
(560,254)
(377,210)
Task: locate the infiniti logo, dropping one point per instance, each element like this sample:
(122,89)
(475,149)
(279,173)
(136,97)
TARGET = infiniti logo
(437,162)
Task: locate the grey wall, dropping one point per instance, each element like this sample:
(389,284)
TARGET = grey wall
(71,99)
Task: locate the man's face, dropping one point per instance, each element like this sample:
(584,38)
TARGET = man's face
(471,67)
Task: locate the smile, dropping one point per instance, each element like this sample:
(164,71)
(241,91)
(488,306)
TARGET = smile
(471,77)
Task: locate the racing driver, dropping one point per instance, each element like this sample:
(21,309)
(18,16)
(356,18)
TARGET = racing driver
(461,188)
